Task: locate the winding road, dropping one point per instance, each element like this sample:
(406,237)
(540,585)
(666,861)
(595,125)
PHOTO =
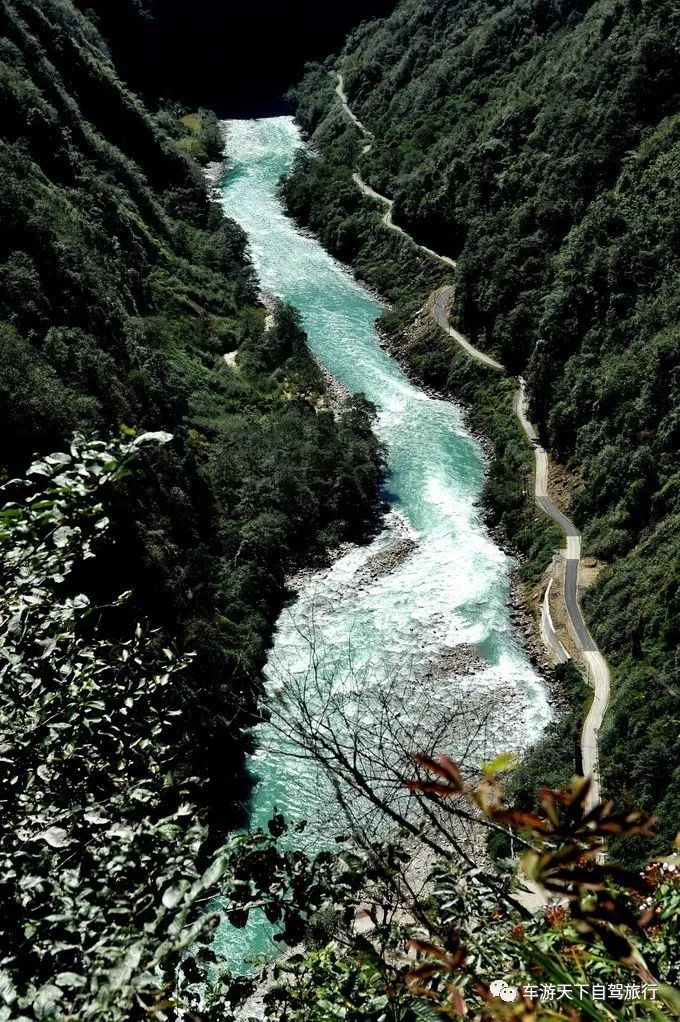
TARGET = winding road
(444,300)
(370,193)
(342,96)
(598,671)
(599,676)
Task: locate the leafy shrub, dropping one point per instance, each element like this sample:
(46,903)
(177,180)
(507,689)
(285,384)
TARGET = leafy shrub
(101,854)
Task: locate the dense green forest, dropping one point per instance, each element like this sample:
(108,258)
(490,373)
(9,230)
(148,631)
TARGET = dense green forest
(537,142)
(138,599)
(121,285)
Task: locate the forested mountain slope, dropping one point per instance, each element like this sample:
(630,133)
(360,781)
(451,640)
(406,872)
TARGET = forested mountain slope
(121,285)
(537,141)
(144,555)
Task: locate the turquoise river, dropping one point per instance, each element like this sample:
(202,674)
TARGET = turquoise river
(451,588)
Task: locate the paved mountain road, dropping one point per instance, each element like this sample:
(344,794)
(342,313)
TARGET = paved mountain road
(442,299)
(573,551)
(342,96)
(598,671)
(388,218)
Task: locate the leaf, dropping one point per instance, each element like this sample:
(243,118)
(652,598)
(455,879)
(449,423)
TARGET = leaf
(118,830)
(159,437)
(443,766)
(501,764)
(214,872)
(239,918)
(45,1000)
(59,458)
(69,980)
(670,995)
(277,825)
(424,947)
(519,819)
(62,536)
(422,973)
(38,468)
(424,1012)
(173,895)
(8,991)
(55,837)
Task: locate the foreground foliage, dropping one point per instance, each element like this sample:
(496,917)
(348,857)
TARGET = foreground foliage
(100,858)
(137,602)
(604,947)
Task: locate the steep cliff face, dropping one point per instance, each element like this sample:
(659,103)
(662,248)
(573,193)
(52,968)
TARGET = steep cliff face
(537,142)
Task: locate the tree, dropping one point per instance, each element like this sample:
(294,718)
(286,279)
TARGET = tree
(102,861)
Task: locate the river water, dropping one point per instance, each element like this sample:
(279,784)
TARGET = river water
(452,589)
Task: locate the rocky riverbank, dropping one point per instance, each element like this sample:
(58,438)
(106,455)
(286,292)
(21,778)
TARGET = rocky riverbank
(214,170)
(459,660)
(525,615)
(336,390)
